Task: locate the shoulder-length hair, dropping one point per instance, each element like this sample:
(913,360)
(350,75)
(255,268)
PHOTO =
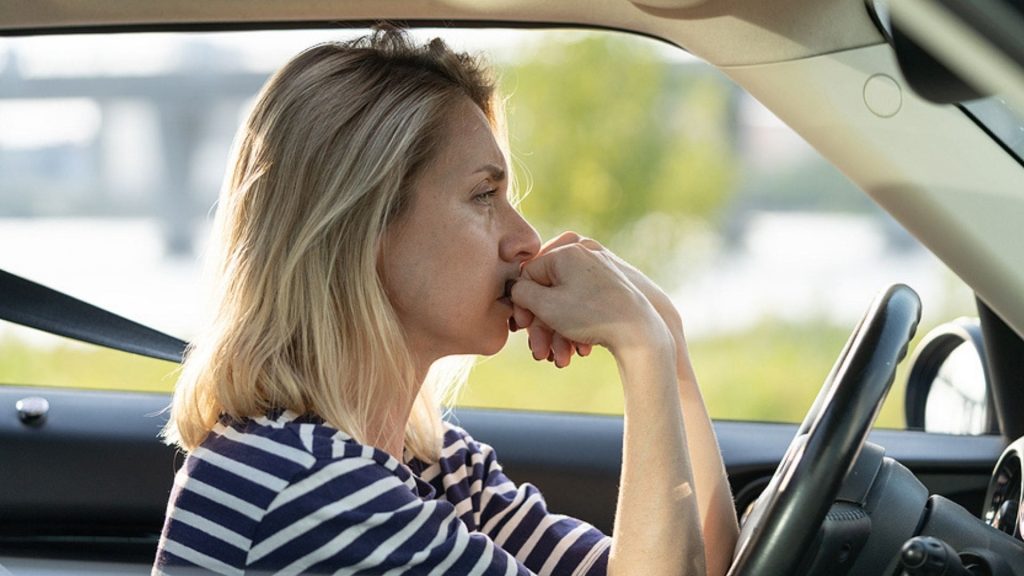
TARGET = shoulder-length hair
(324,163)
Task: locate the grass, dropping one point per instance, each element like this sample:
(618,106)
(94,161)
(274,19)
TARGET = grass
(769,373)
(73,365)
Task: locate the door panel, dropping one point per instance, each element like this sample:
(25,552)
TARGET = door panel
(92,481)
(574,459)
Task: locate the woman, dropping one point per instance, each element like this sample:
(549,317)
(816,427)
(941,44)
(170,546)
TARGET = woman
(368,231)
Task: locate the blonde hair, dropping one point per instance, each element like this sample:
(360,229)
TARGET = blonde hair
(322,166)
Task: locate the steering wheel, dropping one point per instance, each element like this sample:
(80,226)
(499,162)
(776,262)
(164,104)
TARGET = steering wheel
(786,518)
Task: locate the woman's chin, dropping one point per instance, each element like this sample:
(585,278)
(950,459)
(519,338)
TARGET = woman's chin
(494,343)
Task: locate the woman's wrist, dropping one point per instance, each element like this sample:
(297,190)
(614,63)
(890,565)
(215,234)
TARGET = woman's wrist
(646,330)
(647,359)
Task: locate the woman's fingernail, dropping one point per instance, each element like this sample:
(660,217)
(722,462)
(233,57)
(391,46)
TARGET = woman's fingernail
(512,325)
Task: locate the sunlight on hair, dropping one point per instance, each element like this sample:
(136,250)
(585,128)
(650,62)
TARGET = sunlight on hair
(447,377)
(321,169)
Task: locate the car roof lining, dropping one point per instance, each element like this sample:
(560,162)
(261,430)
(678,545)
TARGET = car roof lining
(767,31)
(341,25)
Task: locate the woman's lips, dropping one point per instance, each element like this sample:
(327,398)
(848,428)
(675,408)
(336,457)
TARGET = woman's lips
(506,295)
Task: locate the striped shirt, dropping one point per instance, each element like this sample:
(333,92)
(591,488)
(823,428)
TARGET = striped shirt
(292,495)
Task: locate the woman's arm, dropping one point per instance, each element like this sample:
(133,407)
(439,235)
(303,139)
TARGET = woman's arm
(717,511)
(582,295)
(655,520)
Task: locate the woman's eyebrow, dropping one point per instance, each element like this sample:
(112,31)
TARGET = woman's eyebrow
(497,173)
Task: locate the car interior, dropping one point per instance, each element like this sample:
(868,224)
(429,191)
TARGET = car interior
(896,95)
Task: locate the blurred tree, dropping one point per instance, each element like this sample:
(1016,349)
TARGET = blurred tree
(619,143)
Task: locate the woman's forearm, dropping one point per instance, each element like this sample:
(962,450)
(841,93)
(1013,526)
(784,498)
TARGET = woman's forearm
(657,522)
(714,497)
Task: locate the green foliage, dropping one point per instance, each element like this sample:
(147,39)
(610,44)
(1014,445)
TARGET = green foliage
(770,373)
(774,371)
(72,365)
(613,137)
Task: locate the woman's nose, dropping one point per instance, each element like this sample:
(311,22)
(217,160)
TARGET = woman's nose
(521,241)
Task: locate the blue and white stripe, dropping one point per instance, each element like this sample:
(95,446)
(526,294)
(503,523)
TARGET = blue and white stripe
(291,495)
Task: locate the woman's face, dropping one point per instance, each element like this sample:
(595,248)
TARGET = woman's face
(446,262)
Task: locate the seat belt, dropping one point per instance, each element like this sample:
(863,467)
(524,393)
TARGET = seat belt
(36,306)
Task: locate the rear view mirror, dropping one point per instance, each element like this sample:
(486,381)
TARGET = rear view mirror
(952,51)
(930,78)
(948,387)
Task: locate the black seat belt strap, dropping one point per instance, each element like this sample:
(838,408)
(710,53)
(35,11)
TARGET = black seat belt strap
(36,306)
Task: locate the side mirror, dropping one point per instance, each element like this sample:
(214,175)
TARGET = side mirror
(948,387)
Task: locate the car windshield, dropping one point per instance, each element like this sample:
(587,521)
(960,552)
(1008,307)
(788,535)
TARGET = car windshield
(113,148)
(1001,121)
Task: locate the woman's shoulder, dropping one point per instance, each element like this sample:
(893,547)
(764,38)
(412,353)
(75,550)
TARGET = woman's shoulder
(458,446)
(257,481)
(298,439)
(277,450)
(461,455)
(455,435)
(257,463)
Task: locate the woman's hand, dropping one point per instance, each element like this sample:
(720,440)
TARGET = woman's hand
(714,506)
(550,344)
(573,294)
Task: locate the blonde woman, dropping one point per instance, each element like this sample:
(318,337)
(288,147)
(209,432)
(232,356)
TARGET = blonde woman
(366,232)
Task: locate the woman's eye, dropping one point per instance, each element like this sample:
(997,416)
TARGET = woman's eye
(485,197)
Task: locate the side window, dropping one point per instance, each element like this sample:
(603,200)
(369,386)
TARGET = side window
(112,149)
(770,254)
